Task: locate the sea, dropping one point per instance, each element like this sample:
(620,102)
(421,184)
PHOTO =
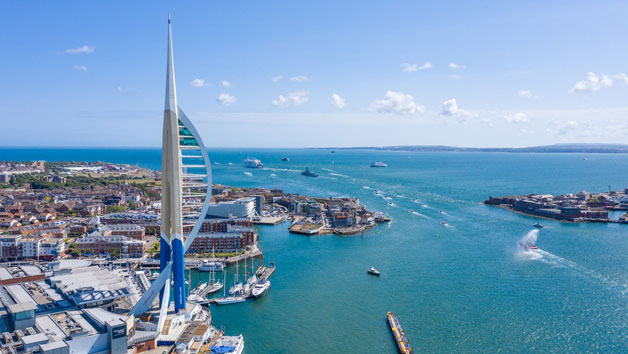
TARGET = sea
(463,287)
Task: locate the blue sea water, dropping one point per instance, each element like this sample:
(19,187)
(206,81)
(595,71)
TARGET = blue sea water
(462,288)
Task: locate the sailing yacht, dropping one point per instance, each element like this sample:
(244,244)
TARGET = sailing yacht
(228,300)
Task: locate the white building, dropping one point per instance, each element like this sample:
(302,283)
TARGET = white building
(239,208)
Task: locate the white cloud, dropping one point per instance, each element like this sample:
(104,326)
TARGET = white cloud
(226,83)
(276,78)
(622,76)
(455,66)
(519,117)
(226,99)
(450,108)
(291,99)
(456,77)
(82,68)
(398,103)
(80,50)
(562,128)
(338,101)
(592,83)
(120,89)
(300,78)
(524,93)
(410,68)
(198,83)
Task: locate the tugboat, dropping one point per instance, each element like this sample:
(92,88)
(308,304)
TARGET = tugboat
(378,164)
(373,271)
(309,173)
(538,225)
(286,159)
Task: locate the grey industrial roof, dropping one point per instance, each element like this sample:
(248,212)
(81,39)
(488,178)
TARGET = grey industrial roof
(21,307)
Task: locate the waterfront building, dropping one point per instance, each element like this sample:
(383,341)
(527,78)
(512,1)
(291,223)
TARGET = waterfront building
(239,208)
(114,245)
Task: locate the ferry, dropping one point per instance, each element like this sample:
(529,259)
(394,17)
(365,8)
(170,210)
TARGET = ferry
(538,225)
(228,345)
(253,163)
(260,289)
(309,173)
(399,334)
(208,266)
(378,164)
(373,271)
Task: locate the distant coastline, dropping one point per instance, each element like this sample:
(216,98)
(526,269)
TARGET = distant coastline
(557,148)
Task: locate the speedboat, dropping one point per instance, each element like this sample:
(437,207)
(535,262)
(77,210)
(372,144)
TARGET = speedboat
(229,300)
(538,225)
(528,246)
(411,211)
(373,271)
(444,223)
(378,164)
(260,289)
(285,159)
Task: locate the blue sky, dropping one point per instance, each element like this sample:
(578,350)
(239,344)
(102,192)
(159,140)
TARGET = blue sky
(317,73)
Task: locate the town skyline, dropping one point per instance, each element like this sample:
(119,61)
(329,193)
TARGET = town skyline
(480,75)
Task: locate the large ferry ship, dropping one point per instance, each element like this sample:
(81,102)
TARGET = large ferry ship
(399,334)
(253,163)
(228,345)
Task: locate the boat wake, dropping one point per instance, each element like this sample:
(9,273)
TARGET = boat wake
(549,258)
(327,169)
(273,175)
(339,175)
(366,187)
(248,173)
(419,214)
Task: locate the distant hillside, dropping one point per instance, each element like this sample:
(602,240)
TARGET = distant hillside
(558,148)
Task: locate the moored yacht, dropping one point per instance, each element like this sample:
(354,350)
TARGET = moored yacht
(229,300)
(260,289)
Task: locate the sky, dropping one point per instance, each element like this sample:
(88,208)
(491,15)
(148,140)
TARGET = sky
(317,73)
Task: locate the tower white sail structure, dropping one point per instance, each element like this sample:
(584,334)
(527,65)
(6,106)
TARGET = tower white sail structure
(186,193)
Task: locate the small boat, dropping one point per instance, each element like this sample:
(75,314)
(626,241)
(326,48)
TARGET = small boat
(441,211)
(378,164)
(229,300)
(538,225)
(528,246)
(414,201)
(309,173)
(444,223)
(333,151)
(373,271)
(286,159)
(260,289)
(391,204)
(410,211)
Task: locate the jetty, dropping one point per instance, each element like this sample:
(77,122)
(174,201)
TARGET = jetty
(399,334)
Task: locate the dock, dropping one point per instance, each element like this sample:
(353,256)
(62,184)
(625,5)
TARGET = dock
(399,334)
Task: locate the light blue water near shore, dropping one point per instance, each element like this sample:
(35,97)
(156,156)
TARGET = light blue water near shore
(460,288)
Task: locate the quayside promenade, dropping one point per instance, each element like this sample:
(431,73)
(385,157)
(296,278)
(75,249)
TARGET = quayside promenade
(579,207)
